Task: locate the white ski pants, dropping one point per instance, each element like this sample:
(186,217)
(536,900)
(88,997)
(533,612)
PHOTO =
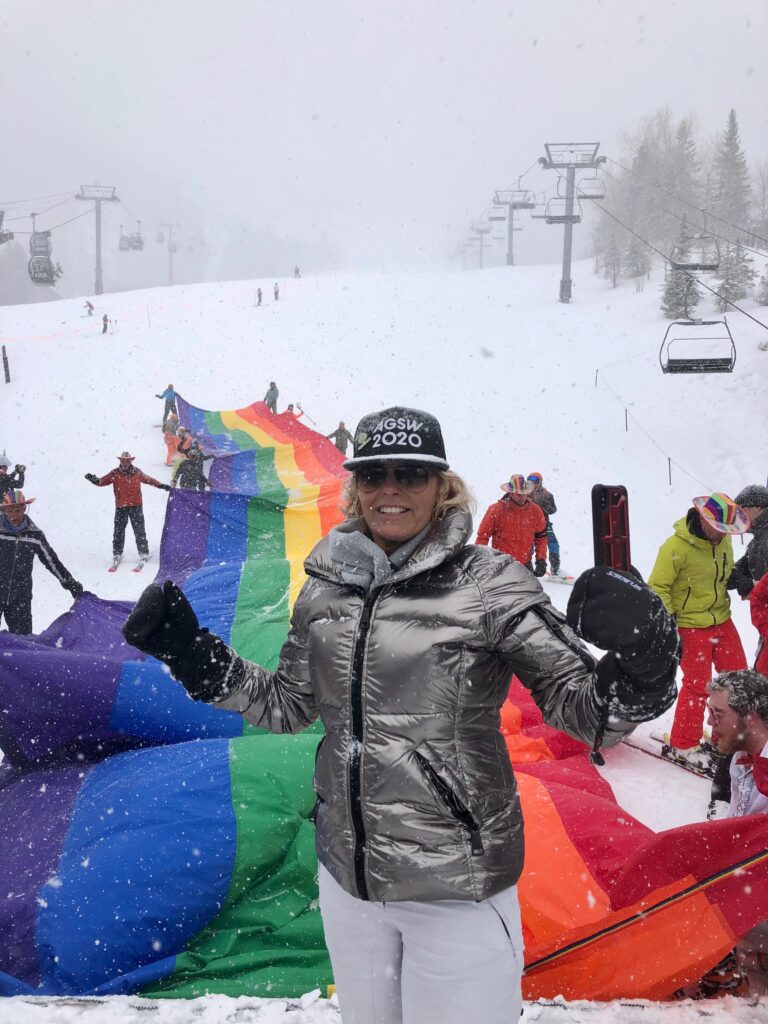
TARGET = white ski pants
(418,962)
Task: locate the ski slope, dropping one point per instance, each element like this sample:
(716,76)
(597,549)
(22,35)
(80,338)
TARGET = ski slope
(519,382)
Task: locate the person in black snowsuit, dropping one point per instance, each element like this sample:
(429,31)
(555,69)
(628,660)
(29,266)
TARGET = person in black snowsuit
(20,542)
(259,295)
(296,271)
(546,502)
(753,564)
(10,481)
(104,324)
(270,399)
(190,474)
(276,291)
(89,307)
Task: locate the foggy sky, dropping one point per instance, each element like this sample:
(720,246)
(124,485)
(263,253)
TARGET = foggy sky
(360,133)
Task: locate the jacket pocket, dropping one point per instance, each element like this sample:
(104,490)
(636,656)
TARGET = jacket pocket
(458,810)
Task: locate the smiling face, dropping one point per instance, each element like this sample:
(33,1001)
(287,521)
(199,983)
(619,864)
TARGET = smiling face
(394,511)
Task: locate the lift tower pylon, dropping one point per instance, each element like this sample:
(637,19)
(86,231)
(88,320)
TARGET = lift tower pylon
(569,157)
(98,194)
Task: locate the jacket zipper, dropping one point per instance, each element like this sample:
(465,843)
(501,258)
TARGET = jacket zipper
(13,569)
(459,811)
(356,756)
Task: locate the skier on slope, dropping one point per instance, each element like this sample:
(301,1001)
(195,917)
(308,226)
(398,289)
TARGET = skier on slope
(20,541)
(190,473)
(169,395)
(690,575)
(341,437)
(126,480)
(170,436)
(270,399)
(546,502)
(276,291)
(516,526)
(403,639)
(10,481)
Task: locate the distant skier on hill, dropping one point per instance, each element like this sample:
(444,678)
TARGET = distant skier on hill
(276,291)
(341,437)
(104,324)
(126,479)
(90,307)
(169,395)
(270,399)
(259,295)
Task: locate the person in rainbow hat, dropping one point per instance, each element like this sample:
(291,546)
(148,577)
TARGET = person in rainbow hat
(517,526)
(691,577)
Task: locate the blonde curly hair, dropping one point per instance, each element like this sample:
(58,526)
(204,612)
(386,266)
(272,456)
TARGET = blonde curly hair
(452,492)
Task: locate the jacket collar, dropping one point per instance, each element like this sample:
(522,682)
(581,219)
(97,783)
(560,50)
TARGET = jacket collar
(445,539)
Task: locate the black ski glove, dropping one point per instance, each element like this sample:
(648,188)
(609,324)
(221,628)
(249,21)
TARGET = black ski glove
(541,567)
(19,468)
(76,589)
(164,625)
(616,611)
(165,487)
(92,477)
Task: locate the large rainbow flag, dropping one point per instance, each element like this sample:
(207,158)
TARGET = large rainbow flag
(152,844)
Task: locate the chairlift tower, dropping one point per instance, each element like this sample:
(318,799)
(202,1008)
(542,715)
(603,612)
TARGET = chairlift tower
(569,157)
(480,228)
(172,247)
(98,194)
(513,199)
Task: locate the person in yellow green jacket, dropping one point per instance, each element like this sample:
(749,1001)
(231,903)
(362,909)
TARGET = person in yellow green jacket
(690,576)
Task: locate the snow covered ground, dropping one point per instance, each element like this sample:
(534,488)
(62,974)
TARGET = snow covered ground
(519,382)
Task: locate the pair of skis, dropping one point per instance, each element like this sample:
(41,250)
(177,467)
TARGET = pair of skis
(137,568)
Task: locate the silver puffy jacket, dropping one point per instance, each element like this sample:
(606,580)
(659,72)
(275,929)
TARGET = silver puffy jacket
(416,797)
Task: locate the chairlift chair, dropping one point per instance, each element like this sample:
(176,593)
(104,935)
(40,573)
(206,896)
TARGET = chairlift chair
(702,346)
(40,270)
(40,243)
(697,252)
(555,212)
(497,213)
(592,186)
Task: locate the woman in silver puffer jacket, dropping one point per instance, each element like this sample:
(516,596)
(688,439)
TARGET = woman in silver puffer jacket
(403,641)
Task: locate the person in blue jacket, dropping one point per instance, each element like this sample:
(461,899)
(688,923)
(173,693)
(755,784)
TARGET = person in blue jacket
(170,402)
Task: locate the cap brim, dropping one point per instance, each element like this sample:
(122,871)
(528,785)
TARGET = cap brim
(428,460)
(508,489)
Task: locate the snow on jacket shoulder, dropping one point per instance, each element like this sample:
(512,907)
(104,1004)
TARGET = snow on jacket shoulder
(515,529)
(691,576)
(416,794)
(127,485)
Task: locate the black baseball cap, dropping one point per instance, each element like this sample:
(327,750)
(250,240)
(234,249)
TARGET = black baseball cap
(398,434)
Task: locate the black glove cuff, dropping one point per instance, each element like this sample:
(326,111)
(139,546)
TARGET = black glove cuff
(208,670)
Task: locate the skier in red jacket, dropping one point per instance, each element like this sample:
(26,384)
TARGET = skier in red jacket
(515,525)
(126,479)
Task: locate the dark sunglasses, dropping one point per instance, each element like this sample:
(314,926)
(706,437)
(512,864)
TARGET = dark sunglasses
(413,478)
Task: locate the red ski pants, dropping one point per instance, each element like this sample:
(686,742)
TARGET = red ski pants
(703,649)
